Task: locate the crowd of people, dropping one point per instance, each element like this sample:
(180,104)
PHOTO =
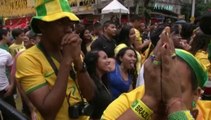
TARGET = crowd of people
(65,70)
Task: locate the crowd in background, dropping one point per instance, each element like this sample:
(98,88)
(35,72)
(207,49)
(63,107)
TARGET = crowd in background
(114,54)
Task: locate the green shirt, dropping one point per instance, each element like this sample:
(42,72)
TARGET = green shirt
(5,47)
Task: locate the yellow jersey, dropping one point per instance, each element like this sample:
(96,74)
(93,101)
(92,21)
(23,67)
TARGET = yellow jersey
(124,101)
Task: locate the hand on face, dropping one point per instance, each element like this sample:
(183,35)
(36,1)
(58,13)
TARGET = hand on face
(161,80)
(71,46)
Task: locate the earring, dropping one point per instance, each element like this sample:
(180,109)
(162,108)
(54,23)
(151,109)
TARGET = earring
(193,104)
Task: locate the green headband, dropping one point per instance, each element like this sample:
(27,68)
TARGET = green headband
(199,70)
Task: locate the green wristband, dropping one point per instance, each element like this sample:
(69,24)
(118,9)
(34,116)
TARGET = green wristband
(181,115)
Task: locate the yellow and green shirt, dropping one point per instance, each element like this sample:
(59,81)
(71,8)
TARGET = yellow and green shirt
(33,71)
(123,102)
(16,48)
(202,56)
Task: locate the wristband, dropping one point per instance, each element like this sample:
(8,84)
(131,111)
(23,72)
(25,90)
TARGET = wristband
(181,115)
(141,110)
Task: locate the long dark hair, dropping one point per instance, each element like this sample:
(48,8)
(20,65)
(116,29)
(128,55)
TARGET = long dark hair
(200,42)
(83,43)
(124,35)
(132,72)
(90,60)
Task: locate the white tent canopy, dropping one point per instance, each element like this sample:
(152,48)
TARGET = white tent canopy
(115,7)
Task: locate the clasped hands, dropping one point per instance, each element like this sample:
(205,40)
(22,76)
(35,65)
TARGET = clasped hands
(71,47)
(162,84)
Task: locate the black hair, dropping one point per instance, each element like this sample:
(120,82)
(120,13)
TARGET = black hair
(155,35)
(200,42)
(31,34)
(176,28)
(107,23)
(97,25)
(90,60)
(3,32)
(83,43)
(132,72)
(205,23)
(187,30)
(16,32)
(135,18)
(79,27)
(124,35)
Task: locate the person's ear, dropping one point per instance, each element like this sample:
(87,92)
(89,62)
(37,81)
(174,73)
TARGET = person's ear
(105,29)
(197,94)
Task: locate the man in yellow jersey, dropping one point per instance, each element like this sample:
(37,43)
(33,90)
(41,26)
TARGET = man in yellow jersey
(45,71)
(141,46)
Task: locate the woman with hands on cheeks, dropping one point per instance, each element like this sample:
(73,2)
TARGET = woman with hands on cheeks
(173,78)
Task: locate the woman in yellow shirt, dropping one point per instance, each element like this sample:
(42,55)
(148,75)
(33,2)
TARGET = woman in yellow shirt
(200,51)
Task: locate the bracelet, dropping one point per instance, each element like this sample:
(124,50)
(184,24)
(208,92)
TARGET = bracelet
(181,115)
(141,110)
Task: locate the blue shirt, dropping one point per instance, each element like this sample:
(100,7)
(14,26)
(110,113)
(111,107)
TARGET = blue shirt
(116,84)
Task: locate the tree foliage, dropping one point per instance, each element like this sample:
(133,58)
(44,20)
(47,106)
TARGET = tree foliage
(200,9)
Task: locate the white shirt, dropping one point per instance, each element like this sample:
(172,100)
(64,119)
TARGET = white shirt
(5,61)
(140,78)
